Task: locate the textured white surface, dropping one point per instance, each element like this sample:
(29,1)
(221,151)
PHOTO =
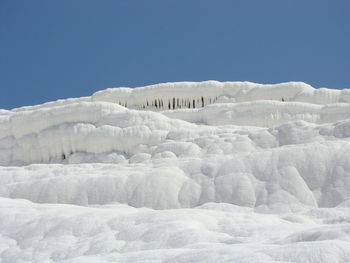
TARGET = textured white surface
(253,179)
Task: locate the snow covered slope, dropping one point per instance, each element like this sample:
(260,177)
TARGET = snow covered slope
(186,172)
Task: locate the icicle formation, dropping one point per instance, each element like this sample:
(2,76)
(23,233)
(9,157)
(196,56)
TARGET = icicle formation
(182,95)
(172,103)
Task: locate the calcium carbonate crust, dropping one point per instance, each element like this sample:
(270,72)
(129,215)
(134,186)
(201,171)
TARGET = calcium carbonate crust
(178,172)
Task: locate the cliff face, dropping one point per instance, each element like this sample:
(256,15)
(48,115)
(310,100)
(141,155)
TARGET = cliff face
(231,172)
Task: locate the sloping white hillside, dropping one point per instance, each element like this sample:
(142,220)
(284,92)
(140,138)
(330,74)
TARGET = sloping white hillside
(186,172)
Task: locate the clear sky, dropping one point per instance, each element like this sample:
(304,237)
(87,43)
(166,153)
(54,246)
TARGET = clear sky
(52,49)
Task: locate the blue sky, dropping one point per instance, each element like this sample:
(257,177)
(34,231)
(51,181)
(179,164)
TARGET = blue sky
(53,49)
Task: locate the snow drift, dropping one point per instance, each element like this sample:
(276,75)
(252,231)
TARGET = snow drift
(178,172)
